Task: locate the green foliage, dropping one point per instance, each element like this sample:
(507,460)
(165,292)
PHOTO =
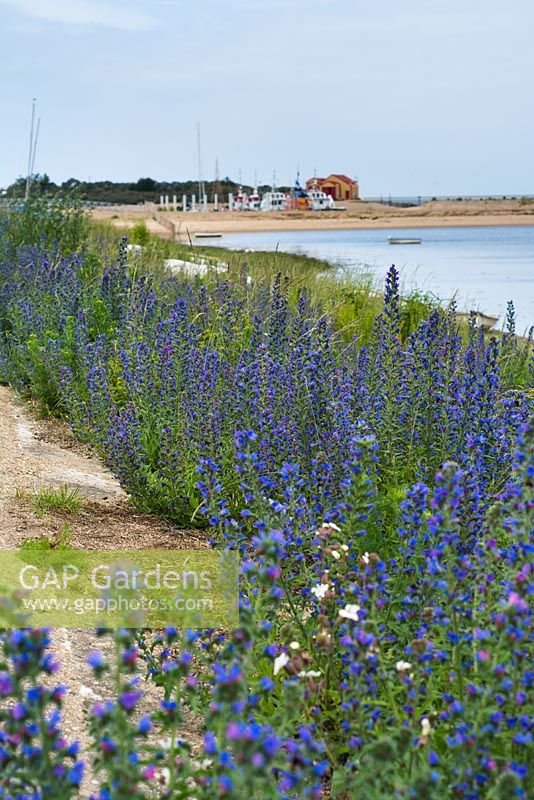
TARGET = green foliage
(64,500)
(139,234)
(352,297)
(516,360)
(60,541)
(57,223)
(136,192)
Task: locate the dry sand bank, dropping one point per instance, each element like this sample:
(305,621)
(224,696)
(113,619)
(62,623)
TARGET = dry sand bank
(358,215)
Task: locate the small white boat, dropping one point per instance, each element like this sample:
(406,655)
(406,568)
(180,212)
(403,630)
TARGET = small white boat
(319,200)
(254,202)
(240,202)
(482,320)
(397,240)
(254,199)
(274,201)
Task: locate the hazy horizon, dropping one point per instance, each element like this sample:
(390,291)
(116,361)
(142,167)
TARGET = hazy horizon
(418,100)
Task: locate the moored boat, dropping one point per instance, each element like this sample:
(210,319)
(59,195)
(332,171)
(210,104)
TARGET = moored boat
(273,201)
(319,200)
(486,321)
(401,240)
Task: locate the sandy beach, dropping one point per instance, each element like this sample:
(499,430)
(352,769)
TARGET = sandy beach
(357,215)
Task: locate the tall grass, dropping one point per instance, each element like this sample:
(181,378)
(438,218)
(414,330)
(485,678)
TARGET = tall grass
(57,223)
(351,297)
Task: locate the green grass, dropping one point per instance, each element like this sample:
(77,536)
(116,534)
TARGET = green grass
(45,499)
(352,297)
(60,541)
(58,222)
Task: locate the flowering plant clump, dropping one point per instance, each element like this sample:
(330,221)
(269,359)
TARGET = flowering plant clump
(161,376)
(117,736)
(36,761)
(358,677)
(381,497)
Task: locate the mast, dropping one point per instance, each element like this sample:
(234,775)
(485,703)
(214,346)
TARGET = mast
(201,190)
(32,171)
(30,153)
(217,190)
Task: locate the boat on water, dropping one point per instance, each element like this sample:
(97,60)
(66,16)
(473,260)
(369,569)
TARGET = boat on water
(207,235)
(407,240)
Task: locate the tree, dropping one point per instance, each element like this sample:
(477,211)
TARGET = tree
(145,185)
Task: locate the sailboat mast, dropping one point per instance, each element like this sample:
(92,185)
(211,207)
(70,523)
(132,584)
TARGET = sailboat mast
(217,190)
(30,153)
(32,171)
(200,181)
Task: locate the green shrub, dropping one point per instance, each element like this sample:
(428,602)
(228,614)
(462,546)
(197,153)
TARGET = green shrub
(139,234)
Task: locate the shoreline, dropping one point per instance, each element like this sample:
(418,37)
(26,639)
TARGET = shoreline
(181,228)
(230,227)
(356,216)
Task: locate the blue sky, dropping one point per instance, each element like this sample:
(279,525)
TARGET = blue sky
(413,97)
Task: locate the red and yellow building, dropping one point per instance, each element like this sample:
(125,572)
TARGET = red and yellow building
(340,187)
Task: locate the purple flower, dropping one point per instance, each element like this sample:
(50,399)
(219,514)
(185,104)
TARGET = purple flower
(210,743)
(129,700)
(96,661)
(6,684)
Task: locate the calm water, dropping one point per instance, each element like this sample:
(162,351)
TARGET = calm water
(484,267)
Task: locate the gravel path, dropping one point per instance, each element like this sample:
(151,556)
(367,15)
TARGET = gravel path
(35,453)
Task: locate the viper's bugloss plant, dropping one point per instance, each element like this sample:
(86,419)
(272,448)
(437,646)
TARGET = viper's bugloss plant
(380,495)
(122,769)
(161,375)
(350,674)
(36,760)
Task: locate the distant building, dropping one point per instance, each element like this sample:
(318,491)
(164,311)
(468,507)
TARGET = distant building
(340,187)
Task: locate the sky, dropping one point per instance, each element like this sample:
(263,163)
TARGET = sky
(419,97)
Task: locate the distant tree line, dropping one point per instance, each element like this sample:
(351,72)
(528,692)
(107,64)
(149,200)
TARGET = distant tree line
(140,191)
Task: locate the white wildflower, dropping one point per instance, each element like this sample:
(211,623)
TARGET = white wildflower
(402,666)
(280,662)
(206,763)
(294,646)
(166,744)
(425,727)
(345,548)
(320,590)
(350,612)
(332,526)
(335,554)
(165,775)
(311,673)
(365,558)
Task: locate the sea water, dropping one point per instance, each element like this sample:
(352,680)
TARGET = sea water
(482,267)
